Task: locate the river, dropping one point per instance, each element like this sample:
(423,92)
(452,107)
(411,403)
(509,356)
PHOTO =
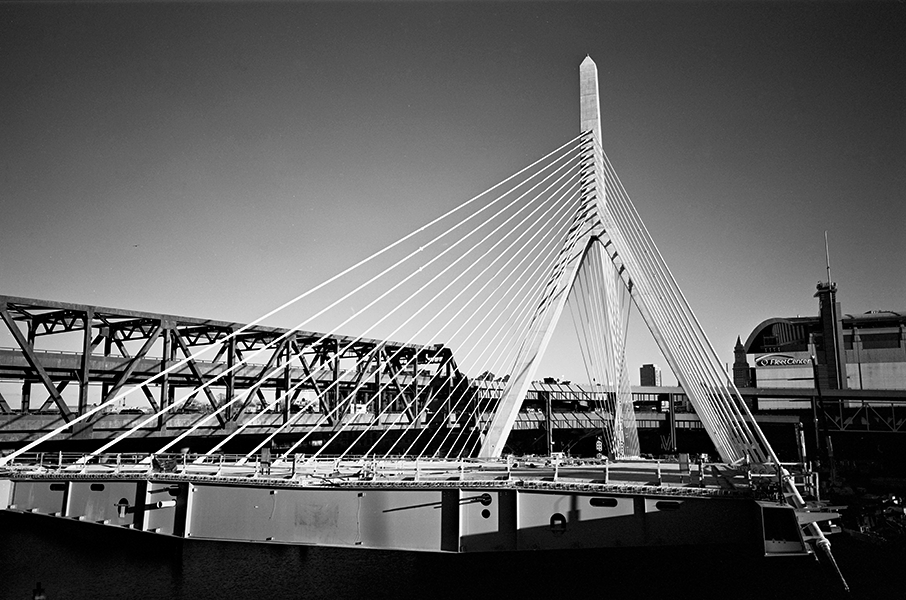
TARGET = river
(71,560)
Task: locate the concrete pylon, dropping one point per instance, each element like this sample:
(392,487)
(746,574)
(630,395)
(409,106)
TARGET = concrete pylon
(589,104)
(558,288)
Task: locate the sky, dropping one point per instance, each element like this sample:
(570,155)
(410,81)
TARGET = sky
(215,159)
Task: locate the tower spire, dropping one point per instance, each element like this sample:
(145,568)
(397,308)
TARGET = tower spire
(590,107)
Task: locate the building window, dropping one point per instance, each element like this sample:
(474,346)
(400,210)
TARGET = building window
(873,341)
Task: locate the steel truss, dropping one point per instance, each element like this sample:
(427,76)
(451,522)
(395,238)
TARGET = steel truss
(108,358)
(864,416)
(845,411)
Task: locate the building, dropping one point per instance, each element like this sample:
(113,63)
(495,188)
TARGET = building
(650,375)
(835,350)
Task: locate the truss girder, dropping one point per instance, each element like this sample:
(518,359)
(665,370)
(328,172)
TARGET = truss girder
(106,358)
(59,321)
(28,353)
(864,416)
(126,375)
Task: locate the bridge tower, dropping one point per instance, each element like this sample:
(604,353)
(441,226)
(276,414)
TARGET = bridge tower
(587,232)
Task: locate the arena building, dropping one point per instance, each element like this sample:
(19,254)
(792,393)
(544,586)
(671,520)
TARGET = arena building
(832,350)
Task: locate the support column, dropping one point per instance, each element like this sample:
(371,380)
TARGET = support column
(108,346)
(378,393)
(86,361)
(286,381)
(228,414)
(166,392)
(26,384)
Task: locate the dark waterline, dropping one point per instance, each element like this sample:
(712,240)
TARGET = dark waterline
(80,561)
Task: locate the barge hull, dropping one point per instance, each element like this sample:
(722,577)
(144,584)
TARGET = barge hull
(445,517)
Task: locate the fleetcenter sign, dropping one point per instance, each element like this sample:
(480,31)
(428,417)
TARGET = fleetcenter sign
(780,360)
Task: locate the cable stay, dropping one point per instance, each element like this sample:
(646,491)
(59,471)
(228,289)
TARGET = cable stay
(480,291)
(464,309)
(477,293)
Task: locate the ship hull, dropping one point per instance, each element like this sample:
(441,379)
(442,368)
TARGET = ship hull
(73,559)
(439,516)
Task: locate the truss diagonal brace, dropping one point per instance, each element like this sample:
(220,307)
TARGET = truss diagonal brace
(133,363)
(33,362)
(193,366)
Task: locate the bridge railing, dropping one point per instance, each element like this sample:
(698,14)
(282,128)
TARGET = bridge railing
(331,471)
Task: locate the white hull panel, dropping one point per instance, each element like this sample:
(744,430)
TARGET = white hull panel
(434,517)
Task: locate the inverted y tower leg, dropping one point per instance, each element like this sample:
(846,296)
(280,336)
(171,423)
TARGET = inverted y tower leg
(548,313)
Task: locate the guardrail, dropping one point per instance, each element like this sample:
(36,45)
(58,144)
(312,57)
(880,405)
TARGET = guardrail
(681,477)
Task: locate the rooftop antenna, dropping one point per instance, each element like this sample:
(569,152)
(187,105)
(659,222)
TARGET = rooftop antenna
(827,257)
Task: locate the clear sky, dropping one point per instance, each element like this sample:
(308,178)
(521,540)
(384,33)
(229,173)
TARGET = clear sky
(216,159)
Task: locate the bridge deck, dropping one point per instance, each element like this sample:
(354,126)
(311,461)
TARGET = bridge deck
(529,503)
(655,476)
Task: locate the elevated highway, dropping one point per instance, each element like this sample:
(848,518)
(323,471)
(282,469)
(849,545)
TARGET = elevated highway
(118,349)
(122,348)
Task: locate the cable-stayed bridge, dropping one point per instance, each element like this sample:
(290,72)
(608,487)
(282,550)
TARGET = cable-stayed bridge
(489,280)
(473,298)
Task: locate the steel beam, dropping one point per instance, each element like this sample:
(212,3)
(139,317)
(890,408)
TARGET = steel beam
(29,353)
(193,366)
(126,374)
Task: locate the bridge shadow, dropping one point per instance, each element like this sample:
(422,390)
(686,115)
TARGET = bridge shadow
(77,560)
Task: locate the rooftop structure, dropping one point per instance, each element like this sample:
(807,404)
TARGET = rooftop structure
(851,351)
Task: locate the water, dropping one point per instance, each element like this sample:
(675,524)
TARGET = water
(81,561)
